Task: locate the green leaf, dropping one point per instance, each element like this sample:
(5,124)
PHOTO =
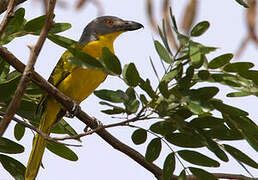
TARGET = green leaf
(60,27)
(203,74)
(238,67)
(84,60)
(4,69)
(242,3)
(204,93)
(111,62)
(170,75)
(114,111)
(163,53)
(153,150)
(163,87)
(206,122)
(139,136)
(240,156)
(247,127)
(221,132)
(14,167)
(195,108)
(195,54)
(62,151)
(239,94)
(250,74)
(15,25)
(220,61)
(162,108)
(112,96)
(213,146)
(202,174)
(185,140)
(200,28)
(62,127)
(27,109)
(132,106)
(10,147)
(146,86)
(9,85)
(143,99)
(228,109)
(61,40)
(197,158)
(35,25)
(163,127)
(19,131)
(169,166)
(131,75)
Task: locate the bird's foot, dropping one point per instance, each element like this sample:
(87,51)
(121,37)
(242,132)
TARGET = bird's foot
(99,123)
(76,108)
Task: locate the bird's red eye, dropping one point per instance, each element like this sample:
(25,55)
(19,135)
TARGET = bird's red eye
(109,22)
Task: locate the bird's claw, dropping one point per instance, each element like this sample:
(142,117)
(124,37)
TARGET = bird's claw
(76,108)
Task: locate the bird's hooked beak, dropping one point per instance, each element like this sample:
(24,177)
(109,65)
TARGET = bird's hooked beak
(129,25)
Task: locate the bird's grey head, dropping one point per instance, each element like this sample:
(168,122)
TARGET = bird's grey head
(106,25)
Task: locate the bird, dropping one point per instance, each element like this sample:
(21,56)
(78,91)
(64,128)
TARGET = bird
(74,81)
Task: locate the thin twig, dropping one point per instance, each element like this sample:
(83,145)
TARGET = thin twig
(4,4)
(15,103)
(7,17)
(48,138)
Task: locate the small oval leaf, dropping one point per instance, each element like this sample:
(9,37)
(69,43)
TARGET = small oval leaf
(202,174)
(197,158)
(238,67)
(35,25)
(111,62)
(14,167)
(153,150)
(62,151)
(131,75)
(195,53)
(185,140)
(240,156)
(169,166)
(200,28)
(139,136)
(19,131)
(220,61)
(112,96)
(163,53)
(60,27)
(11,147)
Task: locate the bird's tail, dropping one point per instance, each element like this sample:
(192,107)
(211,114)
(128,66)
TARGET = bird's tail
(46,122)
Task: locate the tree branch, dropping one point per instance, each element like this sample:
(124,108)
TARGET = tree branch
(4,4)
(7,17)
(85,118)
(39,132)
(93,123)
(15,103)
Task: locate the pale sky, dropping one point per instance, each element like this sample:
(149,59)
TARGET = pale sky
(97,159)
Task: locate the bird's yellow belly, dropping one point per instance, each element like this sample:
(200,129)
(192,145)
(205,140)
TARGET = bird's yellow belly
(81,83)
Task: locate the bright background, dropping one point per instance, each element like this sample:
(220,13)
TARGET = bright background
(97,159)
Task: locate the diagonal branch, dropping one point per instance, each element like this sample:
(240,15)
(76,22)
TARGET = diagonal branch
(93,123)
(15,103)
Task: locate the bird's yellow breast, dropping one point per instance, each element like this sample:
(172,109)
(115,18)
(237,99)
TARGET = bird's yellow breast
(82,82)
